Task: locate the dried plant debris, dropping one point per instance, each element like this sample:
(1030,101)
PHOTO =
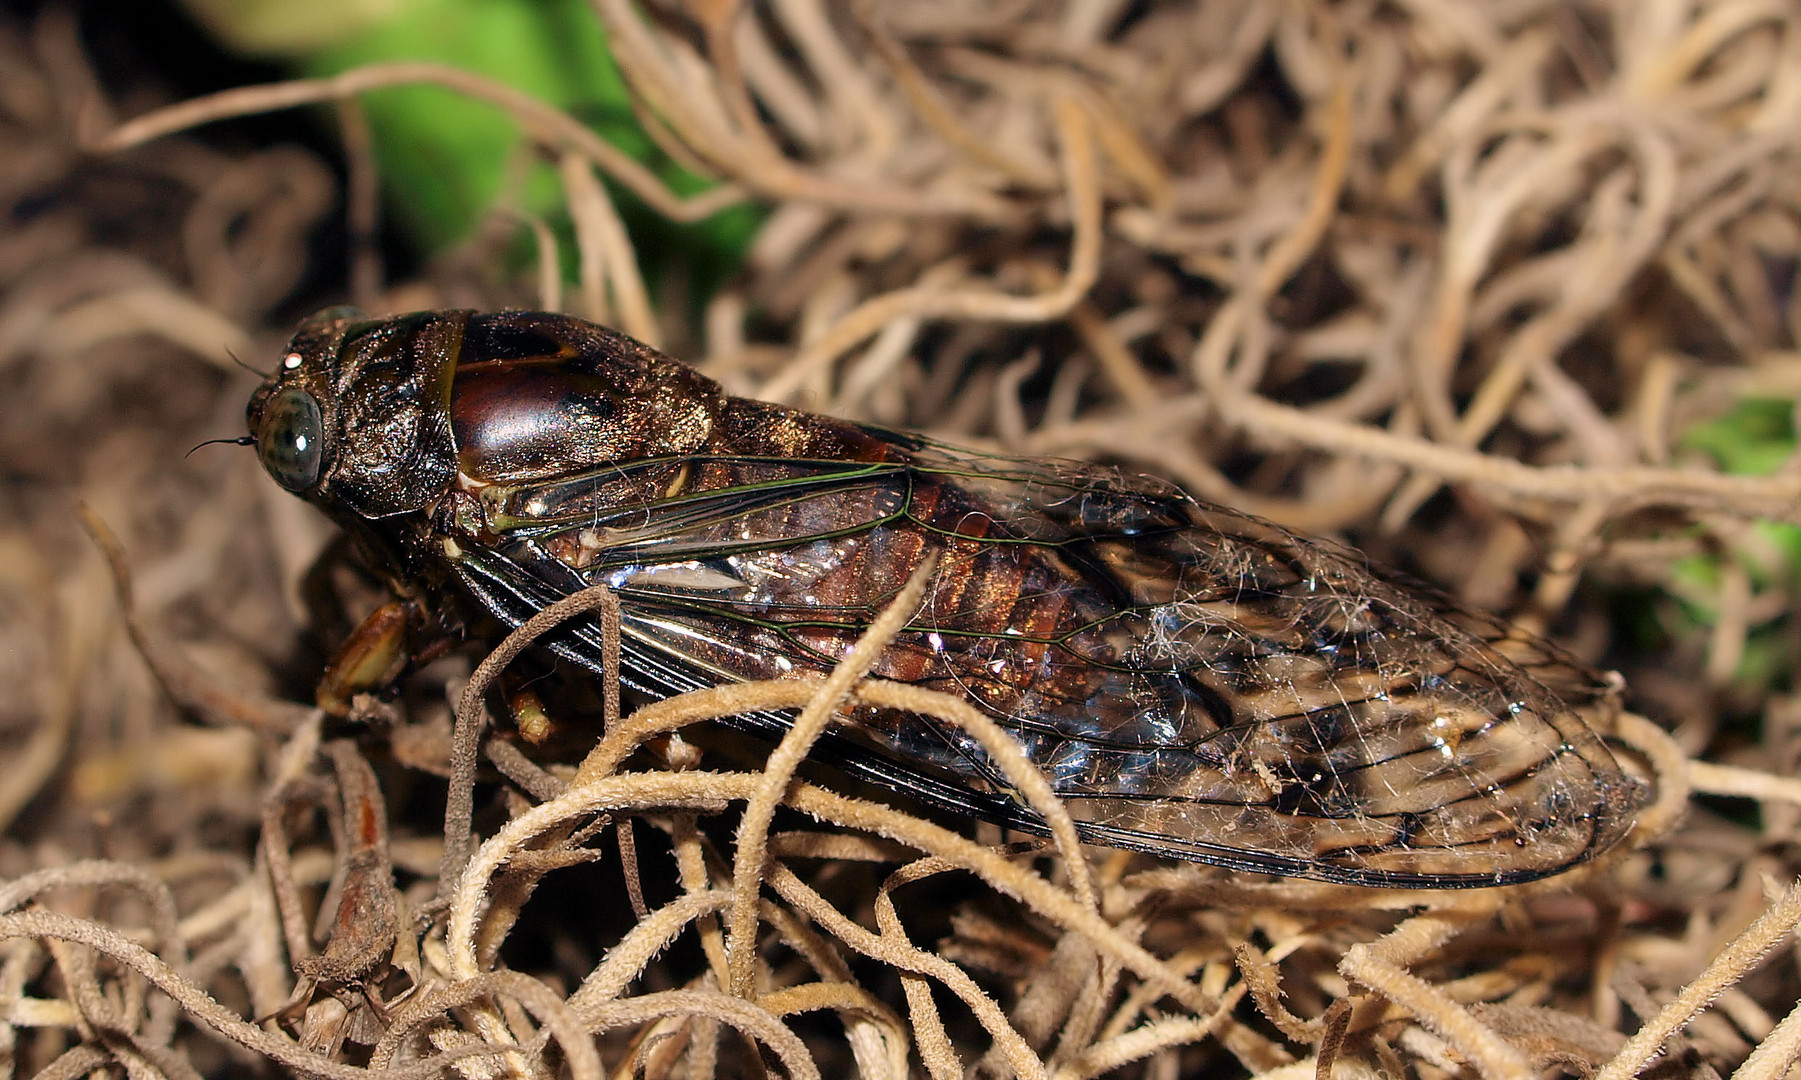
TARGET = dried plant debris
(1457,283)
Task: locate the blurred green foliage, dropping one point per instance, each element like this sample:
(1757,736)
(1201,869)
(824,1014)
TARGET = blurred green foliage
(1753,439)
(1756,437)
(444,158)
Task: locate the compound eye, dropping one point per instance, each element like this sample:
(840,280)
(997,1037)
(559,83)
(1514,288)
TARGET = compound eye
(291,442)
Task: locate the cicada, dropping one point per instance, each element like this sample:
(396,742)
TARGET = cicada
(1194,682)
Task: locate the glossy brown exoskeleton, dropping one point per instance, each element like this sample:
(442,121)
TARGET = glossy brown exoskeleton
(1194,682)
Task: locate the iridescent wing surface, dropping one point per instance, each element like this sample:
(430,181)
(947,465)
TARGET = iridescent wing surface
(1194,682)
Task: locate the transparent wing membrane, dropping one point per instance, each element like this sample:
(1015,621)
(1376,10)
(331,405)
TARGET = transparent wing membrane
(1194,681)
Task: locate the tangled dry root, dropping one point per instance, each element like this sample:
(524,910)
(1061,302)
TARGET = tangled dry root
(1325,262)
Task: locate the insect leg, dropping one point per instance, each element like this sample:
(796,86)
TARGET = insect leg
(374,655)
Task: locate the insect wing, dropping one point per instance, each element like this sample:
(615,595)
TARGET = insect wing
(1193,681)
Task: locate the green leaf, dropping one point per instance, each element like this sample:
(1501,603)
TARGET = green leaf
(1755,438)
(1752,440)
(443,157)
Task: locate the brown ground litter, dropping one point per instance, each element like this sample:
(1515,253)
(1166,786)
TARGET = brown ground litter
(1449,280)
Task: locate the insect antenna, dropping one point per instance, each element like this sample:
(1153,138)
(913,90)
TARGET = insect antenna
(254,371)
(241,440)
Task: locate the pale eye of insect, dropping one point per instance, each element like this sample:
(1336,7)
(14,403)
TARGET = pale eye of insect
(291,440)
